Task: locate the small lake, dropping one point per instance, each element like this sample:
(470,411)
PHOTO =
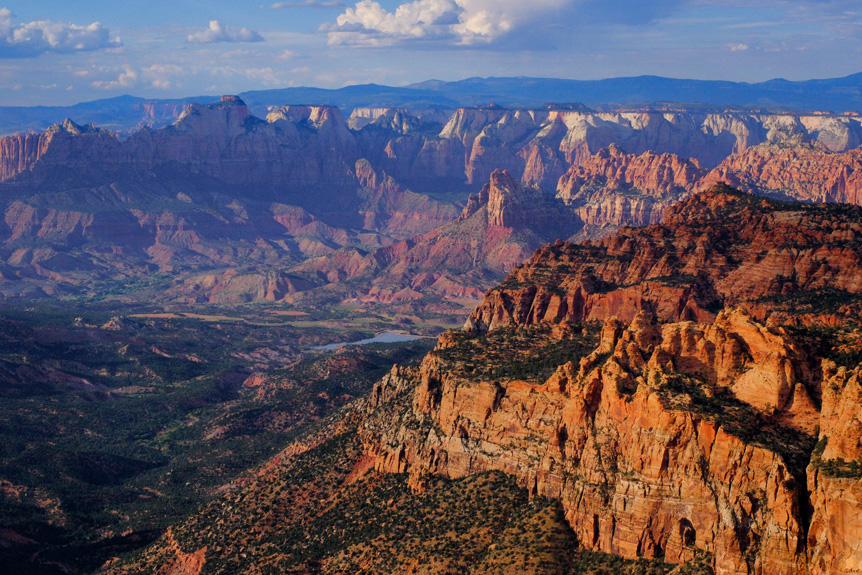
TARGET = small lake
(385,337)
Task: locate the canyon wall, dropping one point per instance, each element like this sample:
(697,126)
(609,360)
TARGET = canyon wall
(462,148)
(701,418)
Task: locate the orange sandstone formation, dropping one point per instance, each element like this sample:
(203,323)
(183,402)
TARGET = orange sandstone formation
(687,429)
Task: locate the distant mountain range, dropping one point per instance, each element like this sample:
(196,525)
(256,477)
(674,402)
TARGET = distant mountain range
(311,205)
(128,112)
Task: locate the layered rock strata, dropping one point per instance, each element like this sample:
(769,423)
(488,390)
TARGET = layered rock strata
(613,189)
(442,148)
(499,227)
(640,469)
(717,248)
(802,173)
(687,429)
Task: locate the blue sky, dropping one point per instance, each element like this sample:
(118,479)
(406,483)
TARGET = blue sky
(62,52)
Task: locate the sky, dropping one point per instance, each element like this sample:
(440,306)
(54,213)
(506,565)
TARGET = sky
(60,52)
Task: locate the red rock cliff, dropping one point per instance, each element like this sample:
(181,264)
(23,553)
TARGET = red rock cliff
(684,430)
(612,188)
(801,173)
(715,249)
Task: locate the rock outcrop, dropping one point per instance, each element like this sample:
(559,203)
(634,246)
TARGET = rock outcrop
(207,199)
(510,204)
(219,174)
(691,425)
(834,540)
(461,148)
(613,189)
(500,227)
(74,147)
(642,469)
(802,173)
(715,249)
(497,138)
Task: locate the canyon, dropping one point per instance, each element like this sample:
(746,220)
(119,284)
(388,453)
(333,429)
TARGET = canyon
(684,393)
(310,204)
(703,420)
(659,362)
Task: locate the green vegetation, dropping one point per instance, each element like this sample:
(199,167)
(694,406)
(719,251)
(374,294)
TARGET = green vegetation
(835,343)
(110,435)
(531,354)
(594,563)
(739,419)
(303,514)
(837,468)
(314,513)
(820,301)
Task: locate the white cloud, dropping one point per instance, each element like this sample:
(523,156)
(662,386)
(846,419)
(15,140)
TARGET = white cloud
(266,76)
(738,47)
(460,21)
(162,69)
(161,76)
(31,39)
(127,78)
(217,32)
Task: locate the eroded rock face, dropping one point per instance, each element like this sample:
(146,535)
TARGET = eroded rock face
(655,175)
(802,173)
(500,227)
(639,471)
(534,142)
(513,205)
(612,189)
(835,535)
(460,148)
(354,181)
(692,424)
(69,145)
(715,249)
(210,195)
(297,147)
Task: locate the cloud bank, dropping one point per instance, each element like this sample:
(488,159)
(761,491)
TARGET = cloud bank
(489,22)
(127,78)
(217,32)
(461,22)
(35,38)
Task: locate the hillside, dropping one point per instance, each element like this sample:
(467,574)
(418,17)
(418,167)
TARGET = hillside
(500,226)
(713,412)
(308,206)
(686,392)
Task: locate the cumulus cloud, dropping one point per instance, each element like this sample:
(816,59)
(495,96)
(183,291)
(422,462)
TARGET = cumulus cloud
(267,76)
(738,47)
(127,78)
(163,69)
(161,76)
(310,4)
(463,22)
(217,32)
(489,22)
(31,39)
